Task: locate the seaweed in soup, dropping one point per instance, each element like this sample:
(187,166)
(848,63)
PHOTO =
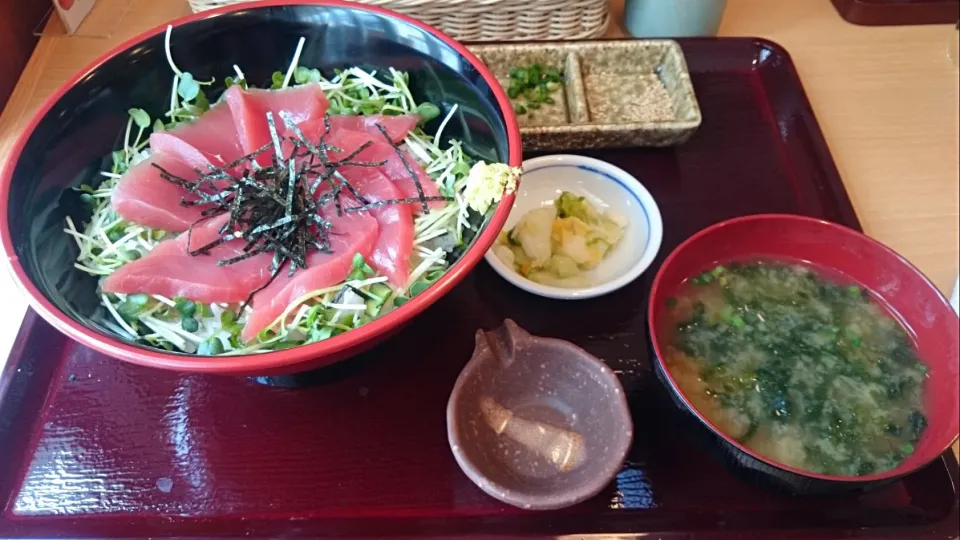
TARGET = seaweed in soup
(807,371)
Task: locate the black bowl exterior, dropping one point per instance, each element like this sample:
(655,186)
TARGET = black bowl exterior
(744,465)
(73,141)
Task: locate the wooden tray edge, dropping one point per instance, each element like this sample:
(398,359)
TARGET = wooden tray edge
(873,13)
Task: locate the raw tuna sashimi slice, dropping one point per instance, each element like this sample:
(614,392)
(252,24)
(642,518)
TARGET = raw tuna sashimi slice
(397,126)
(169,270)
(303,103)
(143,197)
(394,169)
(391,253)
(211,139)
(351,234)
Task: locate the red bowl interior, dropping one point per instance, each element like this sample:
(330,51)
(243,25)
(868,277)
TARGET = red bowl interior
(853,257)
(291,360)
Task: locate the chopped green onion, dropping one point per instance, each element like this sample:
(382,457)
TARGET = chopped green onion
(534,84)
(703,278)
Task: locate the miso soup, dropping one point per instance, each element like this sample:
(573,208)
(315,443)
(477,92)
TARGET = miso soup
(801,369)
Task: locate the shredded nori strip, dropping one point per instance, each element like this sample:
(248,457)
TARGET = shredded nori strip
(241,160)
(170,177)
(361,293)
(413,174)
(378,204)
(274,208)
(321,154)
(246,302)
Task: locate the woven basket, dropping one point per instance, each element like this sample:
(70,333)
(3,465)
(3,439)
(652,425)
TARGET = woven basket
(492,20)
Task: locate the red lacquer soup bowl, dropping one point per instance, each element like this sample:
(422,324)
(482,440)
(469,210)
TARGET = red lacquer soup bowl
(70,139)
(840,254)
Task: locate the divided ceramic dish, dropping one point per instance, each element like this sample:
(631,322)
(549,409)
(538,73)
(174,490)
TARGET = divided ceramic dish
(615,93)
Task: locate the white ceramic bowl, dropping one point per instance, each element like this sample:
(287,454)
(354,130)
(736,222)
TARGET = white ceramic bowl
(608,188)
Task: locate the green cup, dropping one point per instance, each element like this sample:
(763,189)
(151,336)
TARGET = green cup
(673,18)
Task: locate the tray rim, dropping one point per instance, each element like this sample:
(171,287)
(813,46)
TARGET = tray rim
(33,322)
(918,12)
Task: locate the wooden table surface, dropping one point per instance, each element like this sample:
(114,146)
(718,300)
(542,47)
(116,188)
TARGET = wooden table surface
(886,98)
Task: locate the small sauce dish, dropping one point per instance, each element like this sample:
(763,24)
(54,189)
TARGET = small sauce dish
(608,189)
(536,422)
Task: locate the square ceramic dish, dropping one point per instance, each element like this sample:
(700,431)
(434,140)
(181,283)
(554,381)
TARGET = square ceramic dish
(615,93)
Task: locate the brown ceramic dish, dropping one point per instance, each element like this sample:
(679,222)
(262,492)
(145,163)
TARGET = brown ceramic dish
(536,422)
(615,94)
